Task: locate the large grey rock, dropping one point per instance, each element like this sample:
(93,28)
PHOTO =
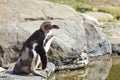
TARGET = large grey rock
(96,40)
(19,19)
(34,10)
(11,39)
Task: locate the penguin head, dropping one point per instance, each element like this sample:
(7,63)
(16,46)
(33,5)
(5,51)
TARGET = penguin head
(46,26)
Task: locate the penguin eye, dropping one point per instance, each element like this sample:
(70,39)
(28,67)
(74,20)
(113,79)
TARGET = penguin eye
(48,26)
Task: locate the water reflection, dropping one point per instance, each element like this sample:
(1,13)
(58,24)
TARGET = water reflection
(98,69)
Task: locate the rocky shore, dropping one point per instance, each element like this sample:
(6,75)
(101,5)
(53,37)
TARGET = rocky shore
(79,33)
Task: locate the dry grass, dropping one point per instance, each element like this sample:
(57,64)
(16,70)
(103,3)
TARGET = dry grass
(102,5)
(111,9)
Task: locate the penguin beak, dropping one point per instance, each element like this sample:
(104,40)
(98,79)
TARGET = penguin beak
(55,27)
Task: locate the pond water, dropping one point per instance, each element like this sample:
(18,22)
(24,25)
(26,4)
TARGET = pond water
(100,68)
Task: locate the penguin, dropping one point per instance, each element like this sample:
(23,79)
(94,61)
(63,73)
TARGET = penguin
(34,50)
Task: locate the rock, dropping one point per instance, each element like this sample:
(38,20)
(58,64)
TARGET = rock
(75,74)
(96,44)
(113,29)
(10,76)
(2,69)
(34,10)
(69,67)
(90,18)
(11,41)
(9,66)
(43,75)
(83,59)
(118,17)
(80,62)
(116,48)
(50,68)
(100,15)
(77,33)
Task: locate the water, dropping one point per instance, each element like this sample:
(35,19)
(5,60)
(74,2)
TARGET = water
(100,68)
(114,73)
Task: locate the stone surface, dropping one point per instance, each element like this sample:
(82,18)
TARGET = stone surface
(70,75)
(81,62)
(96,40)
(77,33)
(116,48)
(100,15)
(2,69)
(10,76)
(43,75)
(114,29)
(11,39)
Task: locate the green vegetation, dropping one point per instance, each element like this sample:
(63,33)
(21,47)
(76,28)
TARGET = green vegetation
(109,34)
(108,20)
(79,5)
(88,6)
(109,6)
